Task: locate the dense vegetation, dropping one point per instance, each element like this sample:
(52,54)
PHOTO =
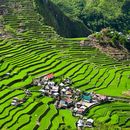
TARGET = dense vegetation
(29,48)
(64,25)
(113,43)
(97,14)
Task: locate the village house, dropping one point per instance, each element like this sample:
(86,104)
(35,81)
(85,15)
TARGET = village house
(99,97)
(69,102)
(49,76)
(84,122)
(67,81)
(79,109)
(65,102)
(7,74)
(80,124)
(47,90)
(36,82)
(89,123)
(54,91)
(62,104)
(51,83)
(61,84)
(16,101)
(86,97)
(27,92)
(62,92)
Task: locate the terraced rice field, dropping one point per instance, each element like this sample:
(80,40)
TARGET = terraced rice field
(38,51)
(118,115)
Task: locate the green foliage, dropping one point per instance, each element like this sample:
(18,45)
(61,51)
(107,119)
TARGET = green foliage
(64,25)
(71,8)
(97,14)
(8,28)
(114,38)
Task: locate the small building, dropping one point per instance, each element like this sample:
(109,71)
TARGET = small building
(50,83)
(47,87)
(86,97)
(27,92)
(67,81)
(61,85)
(69,102)
(16,101)
(15,98)
(7,74)
(80,111)
(100,98)
(82,43)
(62,104)
(36,82)
(62,92)
(49,76)
(55,94)
(78,104)
(80,124)
(68,93)
(89,123)
(78,92)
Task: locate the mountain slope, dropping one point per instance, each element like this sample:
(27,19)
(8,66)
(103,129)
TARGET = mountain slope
(64,25)
(97,14)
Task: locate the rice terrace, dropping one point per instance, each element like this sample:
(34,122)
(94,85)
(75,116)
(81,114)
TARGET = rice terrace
(53,80)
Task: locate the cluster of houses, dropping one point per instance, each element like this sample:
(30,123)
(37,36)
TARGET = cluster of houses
(69,98)
(86,101)
(65,98)
(84,122)
(16,101)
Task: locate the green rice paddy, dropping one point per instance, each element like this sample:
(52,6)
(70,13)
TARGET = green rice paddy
(38,51)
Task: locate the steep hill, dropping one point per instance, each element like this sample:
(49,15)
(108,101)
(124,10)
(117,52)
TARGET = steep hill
(97,14)
(64,25)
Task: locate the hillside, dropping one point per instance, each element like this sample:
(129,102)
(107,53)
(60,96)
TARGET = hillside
(110,42)
(30,49)
(63,25)
(98,14)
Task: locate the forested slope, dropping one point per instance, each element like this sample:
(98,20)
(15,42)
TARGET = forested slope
(63,24)
(97,14)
